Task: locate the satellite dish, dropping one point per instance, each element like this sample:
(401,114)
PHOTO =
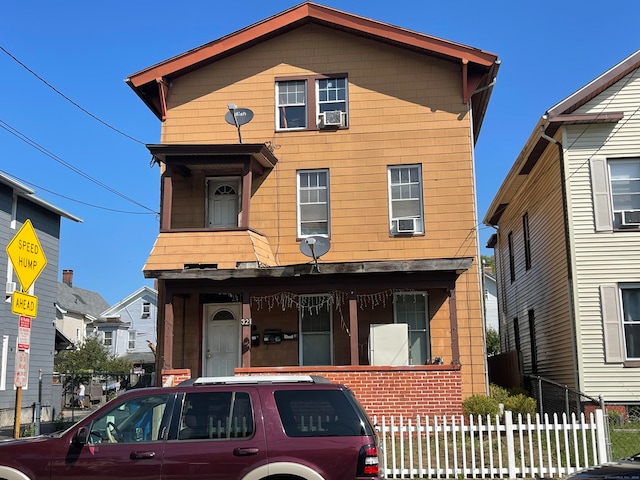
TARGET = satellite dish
(315,246)
(241,115)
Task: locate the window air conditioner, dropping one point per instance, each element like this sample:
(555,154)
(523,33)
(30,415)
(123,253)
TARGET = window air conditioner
(631,218)
(11,287)
(406,225)
(333,118)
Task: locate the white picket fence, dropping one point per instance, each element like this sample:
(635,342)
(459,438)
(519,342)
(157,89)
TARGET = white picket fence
(482,447)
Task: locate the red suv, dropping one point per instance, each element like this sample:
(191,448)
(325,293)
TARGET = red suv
(250,428)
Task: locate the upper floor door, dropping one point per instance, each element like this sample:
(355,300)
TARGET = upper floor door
(223,203)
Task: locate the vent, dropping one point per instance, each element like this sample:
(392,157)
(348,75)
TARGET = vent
(334,118)
(631,218)
(406,225)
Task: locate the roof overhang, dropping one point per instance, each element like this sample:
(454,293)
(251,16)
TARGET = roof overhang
(202,154)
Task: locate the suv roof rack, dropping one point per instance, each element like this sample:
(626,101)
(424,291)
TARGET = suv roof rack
(254,379)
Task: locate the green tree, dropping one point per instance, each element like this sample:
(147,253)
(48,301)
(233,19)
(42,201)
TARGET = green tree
(489,261)
(92,356)
(493,342)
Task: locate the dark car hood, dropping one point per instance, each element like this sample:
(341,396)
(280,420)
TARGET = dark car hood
(620,469)
(19,442)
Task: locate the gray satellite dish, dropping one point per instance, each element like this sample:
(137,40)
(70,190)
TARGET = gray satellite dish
(315,247)
(241,115)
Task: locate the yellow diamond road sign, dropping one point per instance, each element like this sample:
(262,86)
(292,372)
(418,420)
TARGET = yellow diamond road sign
(26,255)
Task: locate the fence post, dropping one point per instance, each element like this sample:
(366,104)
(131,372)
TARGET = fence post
(511,446)
(602,441)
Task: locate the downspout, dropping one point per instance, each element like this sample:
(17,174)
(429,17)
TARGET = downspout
(567,246)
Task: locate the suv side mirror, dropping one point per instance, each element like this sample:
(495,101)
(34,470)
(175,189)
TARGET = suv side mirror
(81,437)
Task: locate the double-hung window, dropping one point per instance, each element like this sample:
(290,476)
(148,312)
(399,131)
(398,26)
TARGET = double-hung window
(312,102)
(316,347)
(291,103)
(621,322)
(313,203)
(625,191)
(132,340)
(108,339)
(405,199)
(631,321)
(411,308)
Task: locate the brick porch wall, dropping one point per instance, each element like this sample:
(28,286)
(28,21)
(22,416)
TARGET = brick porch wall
(408,391)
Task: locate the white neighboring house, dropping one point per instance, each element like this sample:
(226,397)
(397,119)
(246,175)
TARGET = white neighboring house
(128,328)
(567,247)
(490,302)
(76,309)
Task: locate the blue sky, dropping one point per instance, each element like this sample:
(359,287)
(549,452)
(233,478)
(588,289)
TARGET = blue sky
(85,50)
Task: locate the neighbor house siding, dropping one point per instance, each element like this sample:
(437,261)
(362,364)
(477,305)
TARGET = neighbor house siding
(603,257)
(410,111)
(543,288)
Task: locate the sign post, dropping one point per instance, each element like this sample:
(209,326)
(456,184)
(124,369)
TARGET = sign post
(28,260)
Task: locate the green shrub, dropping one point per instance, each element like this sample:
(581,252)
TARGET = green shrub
(480,405)
(498,392)
(520,404)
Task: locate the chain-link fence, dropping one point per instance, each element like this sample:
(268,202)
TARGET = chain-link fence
(552,397)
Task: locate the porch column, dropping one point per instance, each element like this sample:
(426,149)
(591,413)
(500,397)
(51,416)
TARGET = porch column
(164,342)
(166,202)
(246,196)
(246,329)
(453,322)
(353,329)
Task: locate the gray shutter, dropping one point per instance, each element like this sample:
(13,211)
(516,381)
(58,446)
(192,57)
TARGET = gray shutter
(611,323)
(602,211)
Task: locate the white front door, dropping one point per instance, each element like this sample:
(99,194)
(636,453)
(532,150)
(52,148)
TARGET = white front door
(224,202)
(221,349)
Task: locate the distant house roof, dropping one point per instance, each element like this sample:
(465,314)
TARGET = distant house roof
(80,301)
(124,303)
(27,193)
(479,68)
(560,114)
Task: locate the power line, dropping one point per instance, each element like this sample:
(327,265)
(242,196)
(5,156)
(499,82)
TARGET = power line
(53,156)
(69,99)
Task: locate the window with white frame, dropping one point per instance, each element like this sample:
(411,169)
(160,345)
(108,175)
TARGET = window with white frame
(313,202)
(314,314)
(621,322)
(631,321)
(312,102)
(405,199)
(132,340)
(291,104)
(107,339)
(411,308)
(624,175)
(146,309)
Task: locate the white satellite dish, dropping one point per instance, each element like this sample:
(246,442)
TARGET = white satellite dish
(315,247)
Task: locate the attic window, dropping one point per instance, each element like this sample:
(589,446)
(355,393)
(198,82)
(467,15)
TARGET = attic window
(146,309)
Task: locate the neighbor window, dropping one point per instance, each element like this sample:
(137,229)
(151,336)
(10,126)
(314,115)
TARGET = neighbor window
(314,313)
(132,340)
(310,102)
(512,265)
(631,321)
(108,339)
(313,203)
(625,192)
(527,244)
(405,199)
(146,309)
(411,308)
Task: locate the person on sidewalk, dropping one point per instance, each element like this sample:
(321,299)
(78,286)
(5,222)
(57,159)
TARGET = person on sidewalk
(81,395)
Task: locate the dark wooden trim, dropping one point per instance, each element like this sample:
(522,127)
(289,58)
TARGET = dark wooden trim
(246,196)
(453,321)
(166,200)
(353,329)
(246,330)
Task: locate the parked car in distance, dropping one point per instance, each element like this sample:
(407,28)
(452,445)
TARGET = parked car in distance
(250,428)
(625,468)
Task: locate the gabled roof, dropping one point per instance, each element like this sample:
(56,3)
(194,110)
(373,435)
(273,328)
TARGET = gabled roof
(122,304)
(479,67)
(80,301)
(563,113)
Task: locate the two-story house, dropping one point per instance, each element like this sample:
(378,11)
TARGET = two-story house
(568,241)
(18,203)
(76,309)
(317,181)
(128,328)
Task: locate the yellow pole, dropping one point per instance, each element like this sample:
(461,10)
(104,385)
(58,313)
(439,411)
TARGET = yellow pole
(16,421)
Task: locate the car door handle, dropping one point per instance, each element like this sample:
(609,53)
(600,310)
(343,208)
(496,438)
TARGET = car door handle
(243,452)
(141,455)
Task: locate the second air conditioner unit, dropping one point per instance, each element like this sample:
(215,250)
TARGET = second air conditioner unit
(334,118)
(631,218)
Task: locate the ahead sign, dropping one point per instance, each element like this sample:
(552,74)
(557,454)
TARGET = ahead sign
(24,304)
(26,255)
